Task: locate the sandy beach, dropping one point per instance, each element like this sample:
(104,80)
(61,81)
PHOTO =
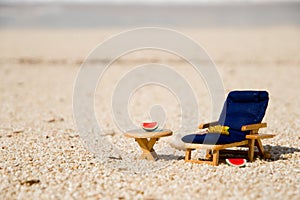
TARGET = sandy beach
(43,157)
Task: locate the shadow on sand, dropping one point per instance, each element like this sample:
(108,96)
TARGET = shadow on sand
(277,153)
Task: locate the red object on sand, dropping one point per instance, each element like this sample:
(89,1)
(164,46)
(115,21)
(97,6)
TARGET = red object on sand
(237,162)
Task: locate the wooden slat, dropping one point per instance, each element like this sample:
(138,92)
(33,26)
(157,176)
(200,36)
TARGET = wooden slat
(215,147)
(253,126)
(260,136)
(206,125)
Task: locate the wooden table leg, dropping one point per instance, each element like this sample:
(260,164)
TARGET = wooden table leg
(147,148)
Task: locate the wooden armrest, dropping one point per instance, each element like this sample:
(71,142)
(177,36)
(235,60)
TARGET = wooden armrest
(261,136)
(202,126)
(251,127)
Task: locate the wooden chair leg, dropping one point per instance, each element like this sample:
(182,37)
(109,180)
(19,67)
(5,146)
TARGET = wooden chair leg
(262,152)
(251,150)
(208,154)
(188,153)
(260,147)
(215,157)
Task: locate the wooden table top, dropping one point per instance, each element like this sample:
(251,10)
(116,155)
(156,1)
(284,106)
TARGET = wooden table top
(141,133)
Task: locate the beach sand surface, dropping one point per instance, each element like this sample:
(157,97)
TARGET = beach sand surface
(42,155)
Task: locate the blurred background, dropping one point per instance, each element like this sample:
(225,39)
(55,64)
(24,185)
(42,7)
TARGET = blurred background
(44,42)
(132,13)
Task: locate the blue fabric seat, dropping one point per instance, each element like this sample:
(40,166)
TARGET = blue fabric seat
(240,108)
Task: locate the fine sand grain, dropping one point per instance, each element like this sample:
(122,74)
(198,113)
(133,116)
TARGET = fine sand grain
(43,157)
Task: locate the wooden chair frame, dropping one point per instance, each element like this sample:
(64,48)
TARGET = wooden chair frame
(212,151)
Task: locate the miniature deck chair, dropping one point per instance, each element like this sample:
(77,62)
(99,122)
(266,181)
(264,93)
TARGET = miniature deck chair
(243,112)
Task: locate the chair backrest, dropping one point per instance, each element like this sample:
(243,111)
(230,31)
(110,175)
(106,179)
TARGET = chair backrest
(244,108)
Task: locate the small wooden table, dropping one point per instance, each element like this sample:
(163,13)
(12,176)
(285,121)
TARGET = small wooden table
(141,137)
